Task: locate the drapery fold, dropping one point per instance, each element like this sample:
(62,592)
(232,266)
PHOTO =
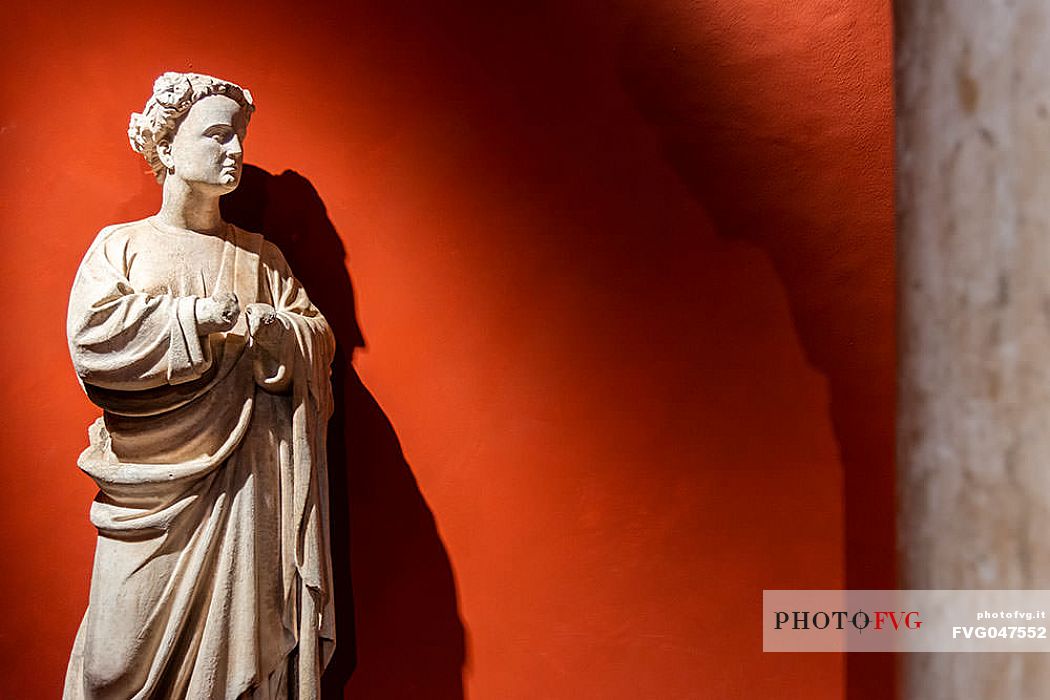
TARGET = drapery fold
(212,575)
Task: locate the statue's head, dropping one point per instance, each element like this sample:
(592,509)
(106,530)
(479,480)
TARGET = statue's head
(193,128)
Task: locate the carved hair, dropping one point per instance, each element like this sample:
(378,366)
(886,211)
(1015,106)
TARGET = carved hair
(173,95)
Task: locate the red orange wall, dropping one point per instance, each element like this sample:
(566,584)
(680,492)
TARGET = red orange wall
(624,278)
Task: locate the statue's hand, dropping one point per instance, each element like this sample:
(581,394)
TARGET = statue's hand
(218,313)
(263,326)
(271,346)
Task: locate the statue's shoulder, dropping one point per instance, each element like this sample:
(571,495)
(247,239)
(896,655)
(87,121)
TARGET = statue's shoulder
(125,229)
(247,240)
(119,234)
(269,254)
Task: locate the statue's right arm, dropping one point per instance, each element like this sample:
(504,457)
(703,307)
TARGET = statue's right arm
(122,338)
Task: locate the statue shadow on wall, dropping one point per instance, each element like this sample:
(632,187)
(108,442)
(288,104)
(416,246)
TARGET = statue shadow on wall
(688,98)
(407,639)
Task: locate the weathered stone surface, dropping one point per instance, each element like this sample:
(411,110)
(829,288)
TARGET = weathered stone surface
(973,99)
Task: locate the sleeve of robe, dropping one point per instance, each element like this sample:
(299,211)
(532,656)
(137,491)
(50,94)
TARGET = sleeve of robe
(126,339)
(306,353)
(307,344)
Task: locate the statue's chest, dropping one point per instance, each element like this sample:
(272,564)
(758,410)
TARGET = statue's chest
(184,265)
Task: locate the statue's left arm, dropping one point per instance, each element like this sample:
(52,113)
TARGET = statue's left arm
(290,337)
(294,347)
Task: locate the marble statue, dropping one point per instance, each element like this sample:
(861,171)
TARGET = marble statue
(212,576)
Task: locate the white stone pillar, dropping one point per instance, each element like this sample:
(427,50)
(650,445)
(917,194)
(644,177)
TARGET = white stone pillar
(973,197)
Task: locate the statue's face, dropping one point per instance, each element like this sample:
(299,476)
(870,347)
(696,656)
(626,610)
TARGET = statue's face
(206,150)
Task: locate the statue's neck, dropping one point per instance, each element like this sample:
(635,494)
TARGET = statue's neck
(188,208)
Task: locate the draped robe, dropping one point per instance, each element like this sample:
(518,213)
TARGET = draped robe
(212,576)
